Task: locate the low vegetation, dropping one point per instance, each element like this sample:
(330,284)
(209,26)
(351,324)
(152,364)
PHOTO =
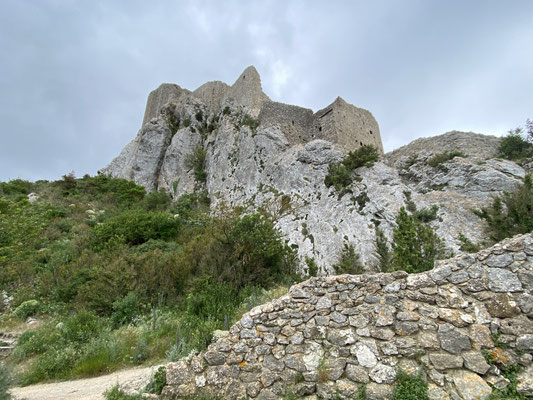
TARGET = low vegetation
(410,387)
(439,159)
(415,245)
(196,161)
(340,174)
(119,277)
(5,382)
(518,144)
(512,213)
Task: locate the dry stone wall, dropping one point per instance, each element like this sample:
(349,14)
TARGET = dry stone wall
(328,336)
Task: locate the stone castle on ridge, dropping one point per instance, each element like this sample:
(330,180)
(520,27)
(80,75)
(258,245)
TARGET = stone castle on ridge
(340,122)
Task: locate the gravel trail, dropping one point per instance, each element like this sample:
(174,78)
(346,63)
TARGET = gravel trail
(87,389)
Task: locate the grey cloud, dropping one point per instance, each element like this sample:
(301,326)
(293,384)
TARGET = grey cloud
(75,75)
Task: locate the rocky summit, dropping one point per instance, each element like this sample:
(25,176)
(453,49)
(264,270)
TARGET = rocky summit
(247,151)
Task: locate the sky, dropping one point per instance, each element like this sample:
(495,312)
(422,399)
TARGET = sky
(75,74)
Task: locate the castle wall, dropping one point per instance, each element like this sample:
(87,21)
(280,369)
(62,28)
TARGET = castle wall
(347,125)
(166,92)
(295,122)
(329,336)
(212,94)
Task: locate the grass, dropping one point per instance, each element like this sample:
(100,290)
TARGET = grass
(441,158)
(116,393)
(410,387)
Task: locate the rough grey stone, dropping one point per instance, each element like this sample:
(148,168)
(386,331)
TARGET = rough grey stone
(475,361)
(502,280)
(524,342)
(443,361)
(383,374)
(452,340)
(357,373)
(470,386)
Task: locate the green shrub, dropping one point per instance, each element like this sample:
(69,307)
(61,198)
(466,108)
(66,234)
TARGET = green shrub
(5,382)
(81,327)
(312,268)
(349,262)
(252,123)
(517,144)
(16,187)
(511,214)
(121,191)
(410,387)
(467,245)
(156,201)
(210,300)
(426,214)
(158,381)
(415,245)
(116,393)
(27,309)
(340,173)
(364,156)
(196,161)
(135,227)
(383,251)
(338,176)
(440,158)
(125,310)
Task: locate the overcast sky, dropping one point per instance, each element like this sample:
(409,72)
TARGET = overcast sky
(75,75)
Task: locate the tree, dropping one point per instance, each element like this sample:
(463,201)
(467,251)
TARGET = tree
(415,245)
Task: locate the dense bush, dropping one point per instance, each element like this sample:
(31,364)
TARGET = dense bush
(122,276)
(27,309)
(517,144)
(364,156)
(512,213)
(125,310)
(415,245)
(135,227)
(16,187)
(340,174)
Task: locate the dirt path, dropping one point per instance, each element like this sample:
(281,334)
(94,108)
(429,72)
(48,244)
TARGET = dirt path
(86,389)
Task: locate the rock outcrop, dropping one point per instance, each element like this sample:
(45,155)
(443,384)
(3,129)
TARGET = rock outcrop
(329,336)
(260,153)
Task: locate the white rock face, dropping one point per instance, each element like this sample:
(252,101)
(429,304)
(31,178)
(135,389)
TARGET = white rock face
(281,167)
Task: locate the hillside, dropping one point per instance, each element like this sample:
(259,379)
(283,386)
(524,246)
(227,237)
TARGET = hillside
(224,200)
(246,151)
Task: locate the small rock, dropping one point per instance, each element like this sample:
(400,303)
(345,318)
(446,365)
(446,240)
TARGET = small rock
(470,386)
(475,361)
(383,374)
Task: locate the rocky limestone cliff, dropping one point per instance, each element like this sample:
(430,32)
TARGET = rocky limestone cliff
(261,153)
(329,336)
